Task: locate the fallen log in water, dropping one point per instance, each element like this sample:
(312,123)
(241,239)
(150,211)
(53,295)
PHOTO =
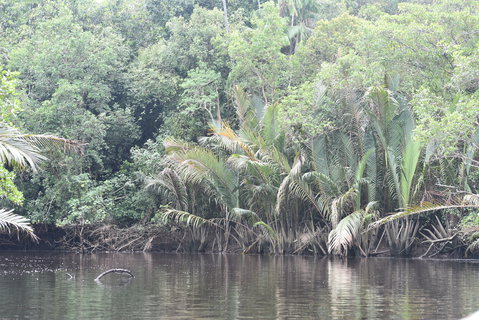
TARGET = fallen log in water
(114,271)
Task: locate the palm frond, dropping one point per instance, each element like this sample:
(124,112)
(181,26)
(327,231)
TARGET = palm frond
(270,124)
(302,190)
(265,171)
(319,153)
(245,109)
(9,220)
(50,142)
(339,205)
(294,185)
(392,176)
(359,176)
(268,228)
(169,181)
(16,150)
(25,150)
(248,215)
(226,138)
(260,197)
(372,174)
(173,145)
(178,216)
(325,183)
(241,162)
(282,194)
(202,167)
(396,138)
(415,210)
(371,206)
(408,169)
(347,150)
(385,106)
(343,236)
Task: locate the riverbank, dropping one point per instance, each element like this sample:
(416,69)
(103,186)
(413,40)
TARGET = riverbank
(94,238)
(153,238)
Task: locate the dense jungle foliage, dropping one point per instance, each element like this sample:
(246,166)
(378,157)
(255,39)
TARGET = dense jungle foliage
(322,126)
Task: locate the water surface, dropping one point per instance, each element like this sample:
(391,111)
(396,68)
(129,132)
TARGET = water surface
(171,286)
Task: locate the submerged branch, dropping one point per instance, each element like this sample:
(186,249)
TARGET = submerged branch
(114,271)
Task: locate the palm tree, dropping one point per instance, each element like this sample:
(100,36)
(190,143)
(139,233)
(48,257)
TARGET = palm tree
(366,167)
(253,174)
(338,176)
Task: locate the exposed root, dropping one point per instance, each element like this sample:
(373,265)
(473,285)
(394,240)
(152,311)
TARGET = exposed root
(94,238)
(442,244)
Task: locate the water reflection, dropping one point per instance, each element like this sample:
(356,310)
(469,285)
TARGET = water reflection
(168,286)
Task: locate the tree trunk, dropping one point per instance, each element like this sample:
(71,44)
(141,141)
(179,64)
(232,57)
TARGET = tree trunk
(225,12)
(218,108)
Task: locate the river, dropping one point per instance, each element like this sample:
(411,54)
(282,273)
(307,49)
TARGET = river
(47,285)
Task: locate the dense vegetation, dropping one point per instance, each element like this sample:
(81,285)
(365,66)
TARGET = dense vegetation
(287,126)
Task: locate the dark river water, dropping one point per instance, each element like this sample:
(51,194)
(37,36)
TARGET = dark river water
(171,286)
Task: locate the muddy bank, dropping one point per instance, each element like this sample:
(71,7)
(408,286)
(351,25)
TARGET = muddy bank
(153,238)
(95,238)
(112,238)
